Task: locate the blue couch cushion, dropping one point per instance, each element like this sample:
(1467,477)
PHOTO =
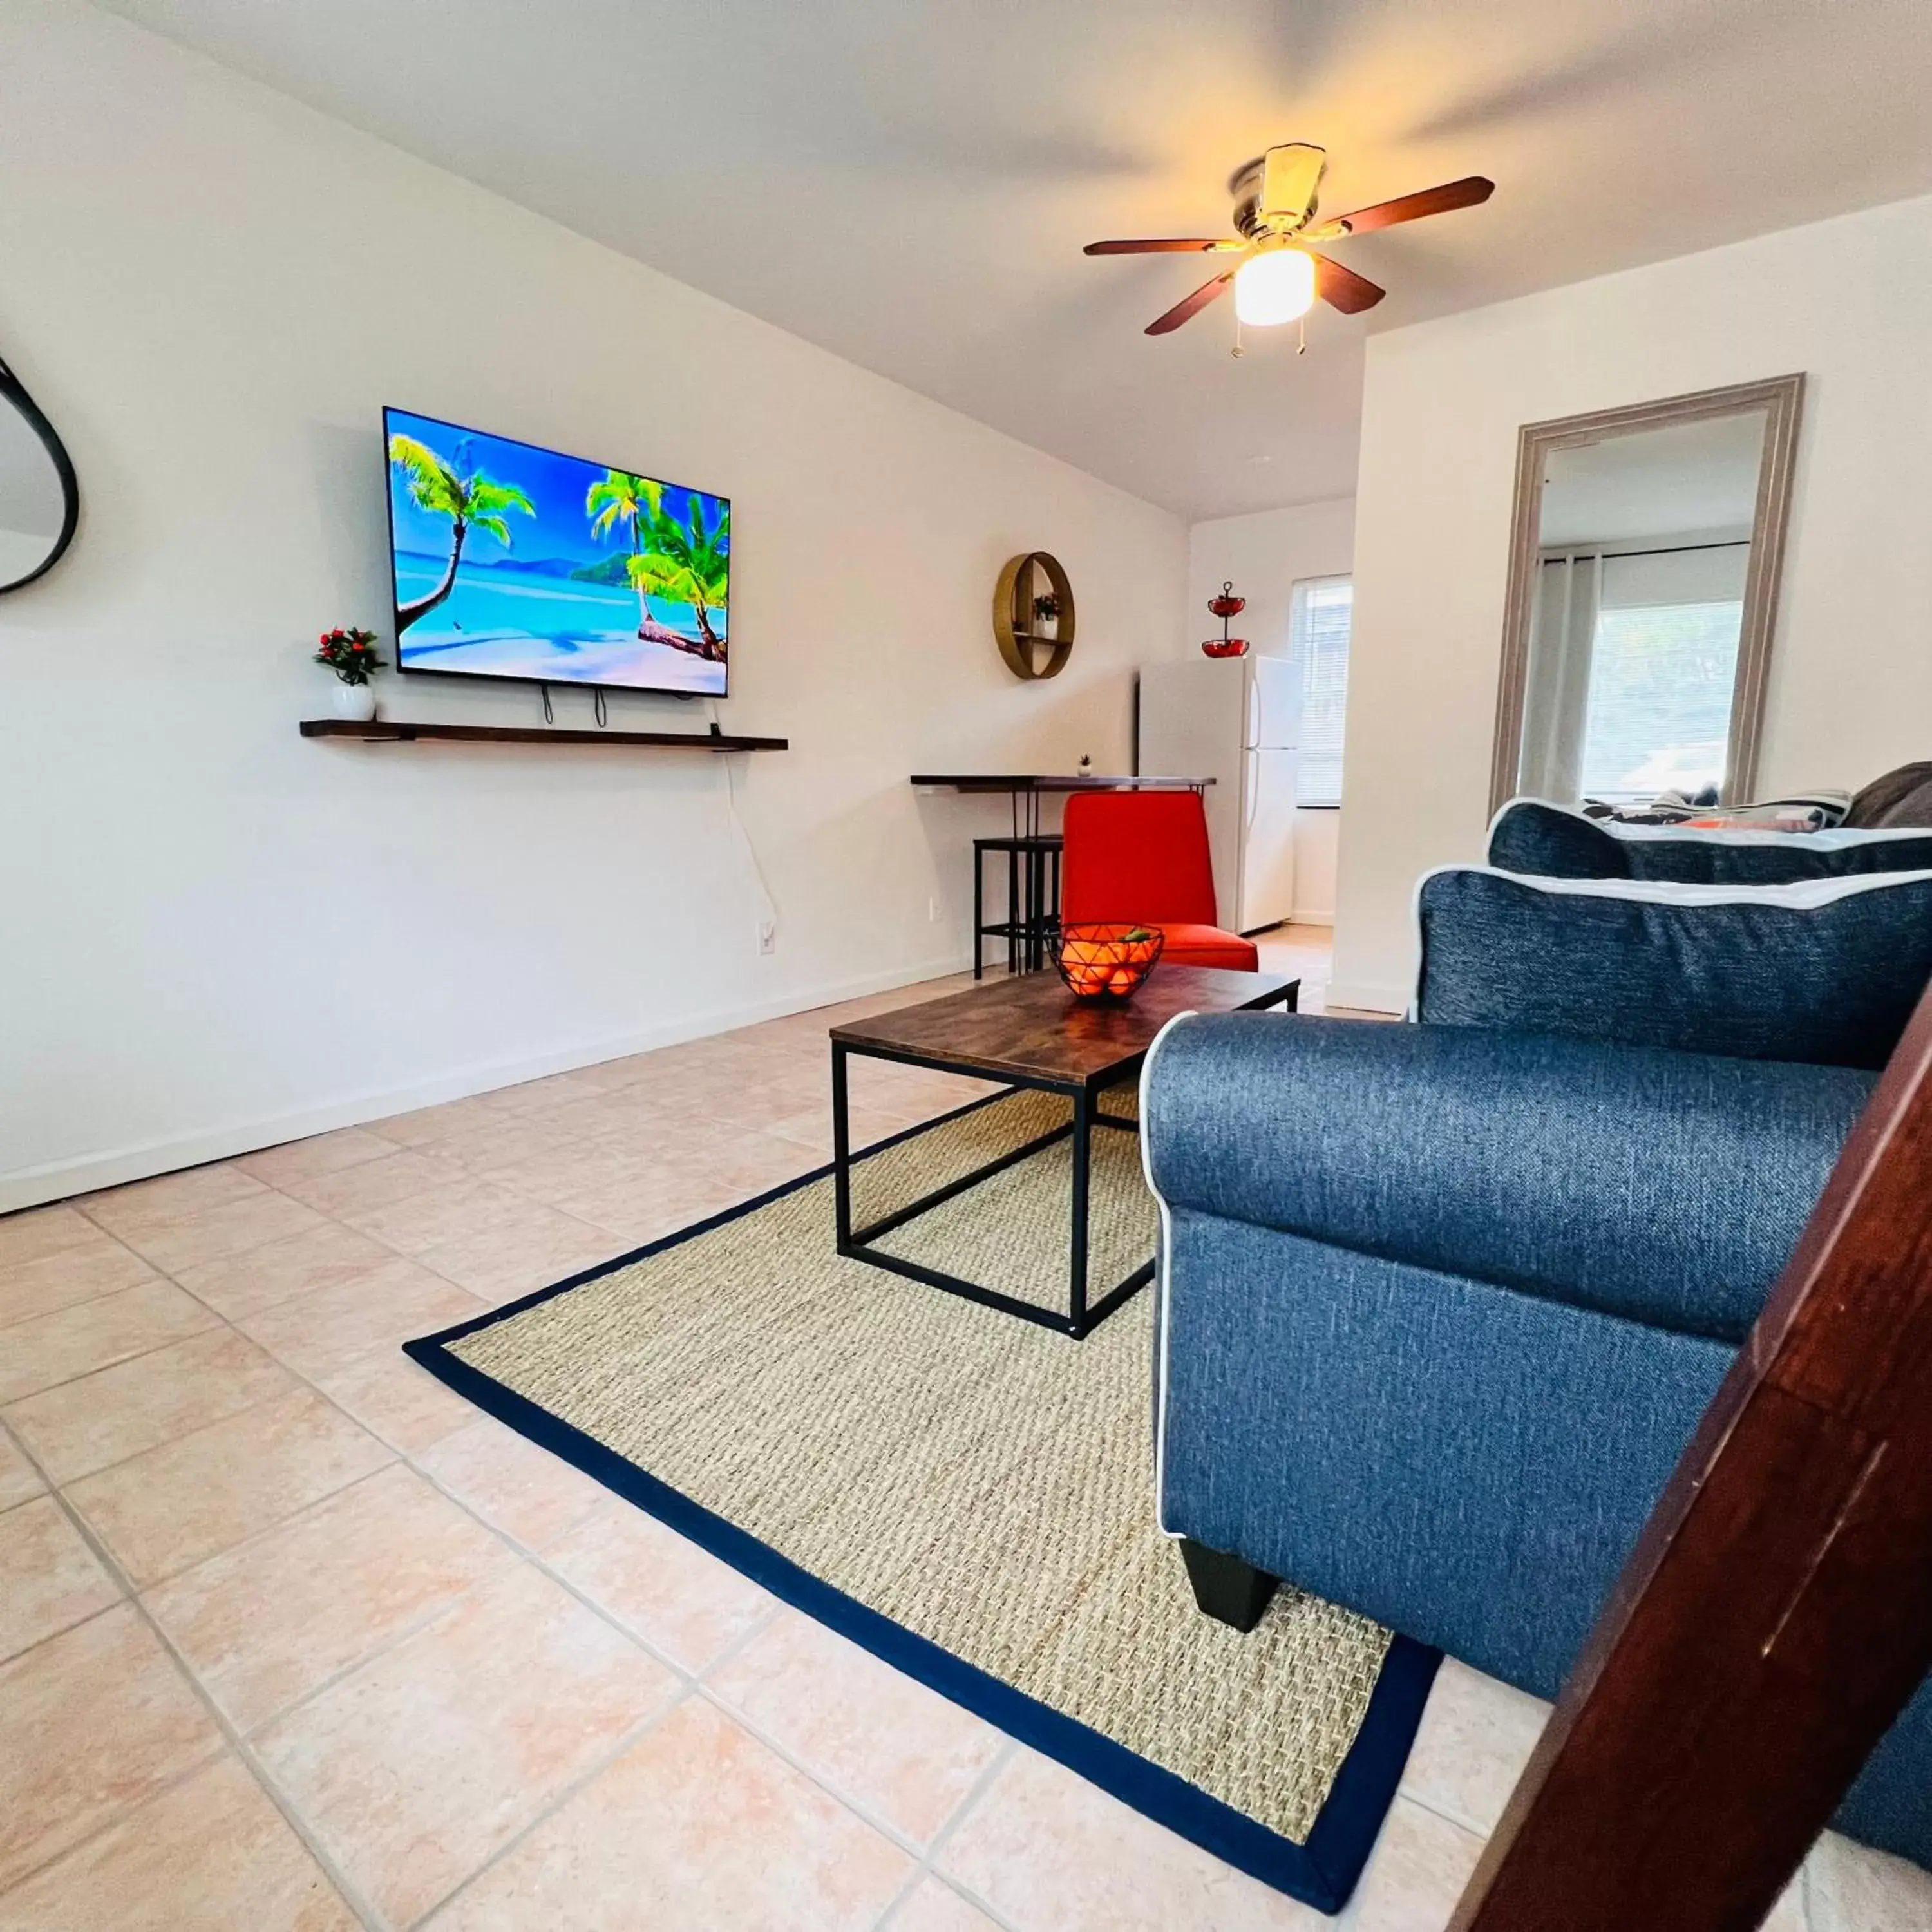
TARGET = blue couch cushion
(1667,1187)
(1531,835)
(1827,972)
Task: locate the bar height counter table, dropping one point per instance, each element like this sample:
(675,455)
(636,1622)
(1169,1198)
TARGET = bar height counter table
(1032,923)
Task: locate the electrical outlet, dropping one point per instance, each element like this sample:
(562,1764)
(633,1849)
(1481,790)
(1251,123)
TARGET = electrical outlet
(932,910)
(768,935)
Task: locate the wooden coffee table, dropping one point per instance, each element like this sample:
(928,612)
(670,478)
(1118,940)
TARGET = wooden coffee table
(1030,1032)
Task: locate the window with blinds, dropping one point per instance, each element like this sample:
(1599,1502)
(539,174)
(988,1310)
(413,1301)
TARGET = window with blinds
(1320,620)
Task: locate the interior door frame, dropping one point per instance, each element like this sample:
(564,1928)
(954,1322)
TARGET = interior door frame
(1782,397)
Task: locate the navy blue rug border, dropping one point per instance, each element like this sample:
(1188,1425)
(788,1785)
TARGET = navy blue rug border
(1322,1873)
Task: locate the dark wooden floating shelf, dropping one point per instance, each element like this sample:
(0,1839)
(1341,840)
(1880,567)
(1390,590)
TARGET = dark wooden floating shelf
(381,731)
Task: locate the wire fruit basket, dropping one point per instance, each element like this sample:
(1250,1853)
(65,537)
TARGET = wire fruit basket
(1107,962)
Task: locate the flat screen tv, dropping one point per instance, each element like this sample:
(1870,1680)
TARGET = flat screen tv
(510,561)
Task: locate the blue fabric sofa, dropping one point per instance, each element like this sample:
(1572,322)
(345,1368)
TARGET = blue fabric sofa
(1440,1306)
(1534,836)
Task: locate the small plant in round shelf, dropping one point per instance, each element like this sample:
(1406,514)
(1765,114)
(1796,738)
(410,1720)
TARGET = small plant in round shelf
(352,654)
(1224,607)
(1107,963)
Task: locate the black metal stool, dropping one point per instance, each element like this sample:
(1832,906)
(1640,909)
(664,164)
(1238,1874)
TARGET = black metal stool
(1032,924)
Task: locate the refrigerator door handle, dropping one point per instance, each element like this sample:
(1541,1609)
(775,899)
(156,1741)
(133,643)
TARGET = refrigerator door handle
(1251,784)
(1253,733)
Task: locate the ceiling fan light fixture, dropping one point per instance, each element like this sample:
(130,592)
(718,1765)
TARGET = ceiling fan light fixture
(1275,286)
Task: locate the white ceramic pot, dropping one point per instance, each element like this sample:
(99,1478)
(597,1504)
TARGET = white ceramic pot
(355,702)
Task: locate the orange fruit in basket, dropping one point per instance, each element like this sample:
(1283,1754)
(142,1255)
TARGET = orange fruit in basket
(1124,979)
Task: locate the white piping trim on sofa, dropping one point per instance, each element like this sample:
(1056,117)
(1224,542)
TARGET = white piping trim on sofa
(1160,1281)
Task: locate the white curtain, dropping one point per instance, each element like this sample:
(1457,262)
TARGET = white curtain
(1556,692)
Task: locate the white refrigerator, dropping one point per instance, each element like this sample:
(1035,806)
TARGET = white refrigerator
(1235,720)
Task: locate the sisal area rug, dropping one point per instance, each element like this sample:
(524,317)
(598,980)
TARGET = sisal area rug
(968,1495)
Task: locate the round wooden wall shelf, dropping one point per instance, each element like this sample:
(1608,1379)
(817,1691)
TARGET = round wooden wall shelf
(1020,631)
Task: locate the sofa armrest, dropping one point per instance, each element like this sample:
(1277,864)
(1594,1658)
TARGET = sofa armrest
(1667,1187)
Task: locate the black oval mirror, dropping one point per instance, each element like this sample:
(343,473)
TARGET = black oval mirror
(40,499)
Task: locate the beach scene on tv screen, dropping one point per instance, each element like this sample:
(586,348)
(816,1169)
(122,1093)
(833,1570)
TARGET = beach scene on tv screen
(512,561)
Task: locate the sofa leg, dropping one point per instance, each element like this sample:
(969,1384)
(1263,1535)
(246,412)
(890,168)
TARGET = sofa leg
(1225,1587)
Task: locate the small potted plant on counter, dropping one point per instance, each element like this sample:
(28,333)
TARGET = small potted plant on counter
(352,654)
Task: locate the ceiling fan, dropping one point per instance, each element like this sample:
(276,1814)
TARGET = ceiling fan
(1281,276)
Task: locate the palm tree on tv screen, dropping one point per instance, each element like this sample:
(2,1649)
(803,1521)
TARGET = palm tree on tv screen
(688,563)
(620,501)
(472,502)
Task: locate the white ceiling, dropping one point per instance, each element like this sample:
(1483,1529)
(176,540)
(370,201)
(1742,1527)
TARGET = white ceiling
(1686,479)
(909,182)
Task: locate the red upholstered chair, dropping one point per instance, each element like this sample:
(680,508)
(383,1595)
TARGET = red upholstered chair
(1142,857)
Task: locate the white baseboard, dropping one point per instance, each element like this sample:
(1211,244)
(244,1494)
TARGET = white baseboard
(31,1186)
(1298,917)
(1368,999)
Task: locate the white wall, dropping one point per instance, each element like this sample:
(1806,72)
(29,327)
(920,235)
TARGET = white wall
(219,935)
(1848,302)
(1263,554)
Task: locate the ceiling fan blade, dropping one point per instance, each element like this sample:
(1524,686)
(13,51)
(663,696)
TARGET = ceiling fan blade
(1343,288)
(1187,247)
(1182,311)
(1464,194)
(1290,175)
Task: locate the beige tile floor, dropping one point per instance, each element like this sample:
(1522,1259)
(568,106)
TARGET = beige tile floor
(290,1637)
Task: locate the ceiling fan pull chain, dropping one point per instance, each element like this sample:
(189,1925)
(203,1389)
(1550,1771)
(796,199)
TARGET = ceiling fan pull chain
(1238,351)
(1301,335)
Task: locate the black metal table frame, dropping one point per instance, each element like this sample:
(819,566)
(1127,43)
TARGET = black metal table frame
(1080,1319)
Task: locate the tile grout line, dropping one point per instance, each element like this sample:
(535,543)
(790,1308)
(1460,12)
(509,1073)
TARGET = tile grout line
(693,1682)
(692,1687)
(927,1866)
(187,1435)
(138,1355)
(628,1741)
(514,1551)
(394,1640)
(231,1737)
(690,1682)
(79,1510)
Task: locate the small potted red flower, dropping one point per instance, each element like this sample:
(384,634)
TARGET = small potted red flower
(352,654)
